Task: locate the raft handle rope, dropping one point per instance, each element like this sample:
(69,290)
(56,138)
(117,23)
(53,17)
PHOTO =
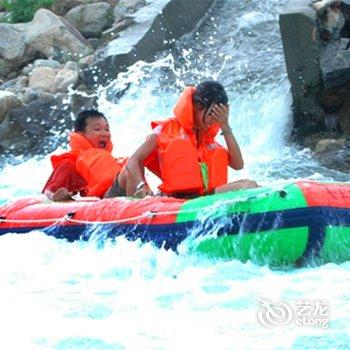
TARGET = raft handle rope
(148,214)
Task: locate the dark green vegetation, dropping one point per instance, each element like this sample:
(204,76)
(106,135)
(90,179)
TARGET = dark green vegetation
(23,10)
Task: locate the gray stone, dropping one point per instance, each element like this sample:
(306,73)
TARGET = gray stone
(335,64)
(301,46)
(47,36)
(71,65)
(91,20)
(41,63)
(37,128)
(331,19)
(12,42)
(113,32)
(56,38)
(8,101)
(16,85)
(61,7)
(65,78)
(125,8)
(82,98)
(13,48)
(344,118)
(42,78)
(327,145)
(156,26)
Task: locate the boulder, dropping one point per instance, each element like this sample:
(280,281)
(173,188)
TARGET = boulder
(13,48)
(64,78)
(316,45)
(335,63)
(42,78)
(37,128)
(8,101)
(331,19)
(301,44)
(61,7)
(126,7)
(154,30)
(40,63)
(91,20)
(344,118)
(47,36)
(327,145)
(52,80)
(55,38)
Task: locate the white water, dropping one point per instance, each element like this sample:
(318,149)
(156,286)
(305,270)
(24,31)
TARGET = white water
(116,295)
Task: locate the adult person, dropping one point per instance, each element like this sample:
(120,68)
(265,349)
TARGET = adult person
(182,150)
(88,167)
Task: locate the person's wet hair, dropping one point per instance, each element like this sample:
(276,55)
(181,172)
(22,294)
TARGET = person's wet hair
(81,121)
(210,92)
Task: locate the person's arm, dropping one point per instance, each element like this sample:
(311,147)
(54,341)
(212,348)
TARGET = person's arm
(136,184)
(220,113)
(63,182)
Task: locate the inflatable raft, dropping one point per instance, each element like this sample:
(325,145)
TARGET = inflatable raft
(297,223)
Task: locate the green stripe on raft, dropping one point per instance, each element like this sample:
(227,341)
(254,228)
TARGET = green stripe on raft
(274,248)
(278,247)
(253,201)
(336,247)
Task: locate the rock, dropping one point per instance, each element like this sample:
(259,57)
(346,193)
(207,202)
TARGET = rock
(91,20)
(47,36)
(71,65)
(327,145)
(344,118)
(335,63)
(55,38)
(65,78)
(154,30)
(12,42)
(299,31)
(13,48)
(16,85)
(52,80)
(113,3)
(311,140)
(113,32)
(61,7)
(30,95)
(82,98)
(8,101)
(127,7)
(87,60)
(40,63)
(95,42)
(336,156)
(42,78)
(37,128)
(331,19)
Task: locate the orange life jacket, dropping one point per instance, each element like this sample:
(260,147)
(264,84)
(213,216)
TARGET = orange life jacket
(97,166)
(183,165)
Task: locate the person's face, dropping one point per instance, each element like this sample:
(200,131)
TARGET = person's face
(202,116)
(97,132)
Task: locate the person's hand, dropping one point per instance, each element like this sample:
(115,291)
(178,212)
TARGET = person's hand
(61,194)
(220,113)
(143,192)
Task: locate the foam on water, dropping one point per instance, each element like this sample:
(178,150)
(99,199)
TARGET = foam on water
(82,296)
